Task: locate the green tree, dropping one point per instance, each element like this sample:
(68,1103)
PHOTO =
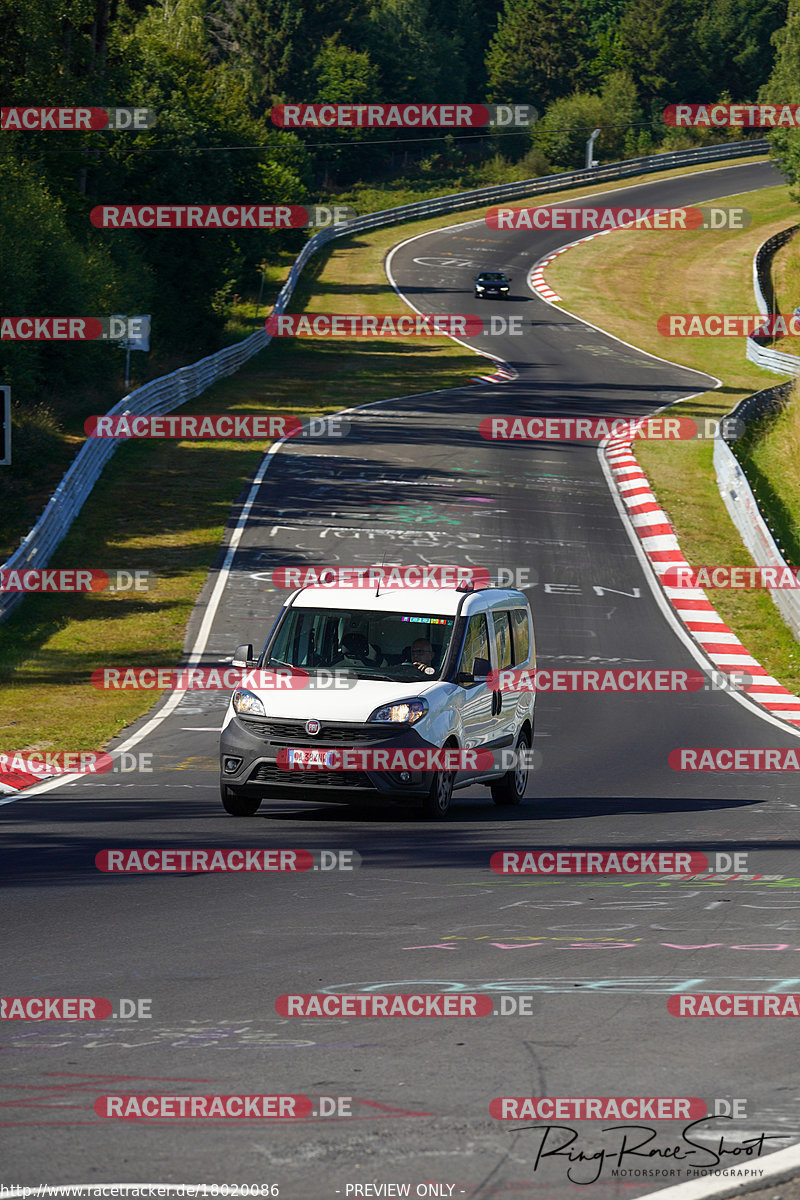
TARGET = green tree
(261,42)
(46,271)
(783,87)
(562,133)
(623,119)
(537,53)
(272,44)
(733,40)
(186,158)
(344,76)
(657,48)
(409,48)
(602,18)
(468,26)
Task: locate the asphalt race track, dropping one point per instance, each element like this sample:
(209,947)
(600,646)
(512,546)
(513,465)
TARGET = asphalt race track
(596,959)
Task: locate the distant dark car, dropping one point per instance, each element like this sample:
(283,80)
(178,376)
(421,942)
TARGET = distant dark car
(492,283)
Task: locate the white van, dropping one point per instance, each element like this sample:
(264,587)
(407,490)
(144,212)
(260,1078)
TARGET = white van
(411,665)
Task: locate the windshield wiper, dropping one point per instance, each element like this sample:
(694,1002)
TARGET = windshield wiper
(362,675)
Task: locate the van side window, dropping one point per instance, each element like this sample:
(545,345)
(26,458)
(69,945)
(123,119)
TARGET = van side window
(521,634)
(476,643)
(502,639)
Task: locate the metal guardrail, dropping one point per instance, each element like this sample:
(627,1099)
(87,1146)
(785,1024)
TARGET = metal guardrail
(170,391)
(741,503)
(755,349)
(733,485)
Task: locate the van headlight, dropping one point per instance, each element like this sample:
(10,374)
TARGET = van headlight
(407,711)
(247,703)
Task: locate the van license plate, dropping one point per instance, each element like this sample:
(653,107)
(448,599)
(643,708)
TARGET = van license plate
(312,758)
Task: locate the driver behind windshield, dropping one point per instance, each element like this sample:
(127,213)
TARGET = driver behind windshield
(422,653)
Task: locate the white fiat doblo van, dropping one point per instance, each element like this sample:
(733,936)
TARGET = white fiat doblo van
(413,667)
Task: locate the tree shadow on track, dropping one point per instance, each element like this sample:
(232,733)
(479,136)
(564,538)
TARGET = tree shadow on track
(382,834)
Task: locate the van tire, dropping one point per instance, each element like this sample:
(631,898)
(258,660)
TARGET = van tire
(237,803)
(436,805)
(510,789)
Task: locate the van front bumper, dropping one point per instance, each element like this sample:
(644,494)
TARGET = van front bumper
(249,751)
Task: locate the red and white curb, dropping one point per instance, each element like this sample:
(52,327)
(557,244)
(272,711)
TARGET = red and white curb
(502,374)
(12,781)
(536,280)
(703,622)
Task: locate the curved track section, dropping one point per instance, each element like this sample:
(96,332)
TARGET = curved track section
(596,959)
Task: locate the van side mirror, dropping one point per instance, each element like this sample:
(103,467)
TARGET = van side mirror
(243,657)
(480,670)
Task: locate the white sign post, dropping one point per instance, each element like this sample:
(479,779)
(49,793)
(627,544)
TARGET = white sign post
(5,425)
(136,337)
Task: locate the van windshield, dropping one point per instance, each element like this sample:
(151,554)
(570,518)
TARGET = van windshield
(402,647)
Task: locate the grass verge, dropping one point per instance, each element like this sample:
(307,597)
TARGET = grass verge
(769,454)
(164,505)
(623,283)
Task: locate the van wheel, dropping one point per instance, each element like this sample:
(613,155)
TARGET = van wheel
(436,804)
(511,788)
(238,804)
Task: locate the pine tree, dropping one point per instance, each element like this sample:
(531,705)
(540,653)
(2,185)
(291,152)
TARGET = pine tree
(537,53)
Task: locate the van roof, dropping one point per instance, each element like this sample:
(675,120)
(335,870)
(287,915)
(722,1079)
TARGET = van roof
(438,601)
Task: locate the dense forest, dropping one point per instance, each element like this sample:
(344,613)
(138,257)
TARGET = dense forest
(213,69)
